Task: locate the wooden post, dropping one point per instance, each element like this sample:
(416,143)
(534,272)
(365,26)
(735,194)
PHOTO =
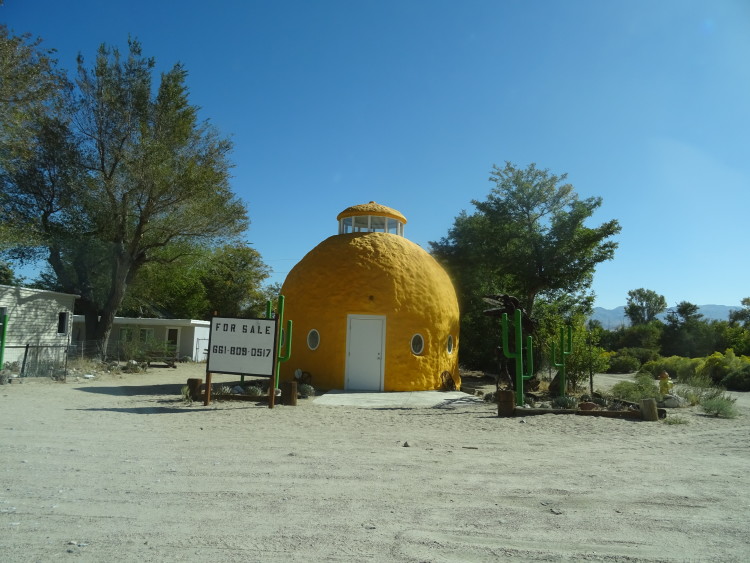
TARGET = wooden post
(648,410)
(207,397)
(289,393)
(506,403)
(194,385)
(271,392)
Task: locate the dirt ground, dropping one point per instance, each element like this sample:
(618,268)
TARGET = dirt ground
(120,468)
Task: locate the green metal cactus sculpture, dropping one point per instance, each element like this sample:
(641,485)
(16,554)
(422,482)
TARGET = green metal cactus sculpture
(284,340)
(566,349)
(517,354)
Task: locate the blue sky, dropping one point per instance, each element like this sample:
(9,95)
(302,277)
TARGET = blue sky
(409,103)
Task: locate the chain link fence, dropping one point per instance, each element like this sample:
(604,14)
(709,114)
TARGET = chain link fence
(37,361)
(32,360)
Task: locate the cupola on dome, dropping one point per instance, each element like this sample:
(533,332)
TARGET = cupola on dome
(371,218)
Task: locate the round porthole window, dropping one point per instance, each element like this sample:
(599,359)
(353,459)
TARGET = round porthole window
(449,344)
(313,339)
(417,344)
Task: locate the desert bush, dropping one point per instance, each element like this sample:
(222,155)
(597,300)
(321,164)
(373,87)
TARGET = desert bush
(253,391)
(219,390)
(623,363)
(306,390)
(717,366)
(13,367)
(738,379)
(186,396)
(679,368)
(644,387)
(694,389)
(565,402)
(675,420)
(86,364)
(720,406)
(132,366)
(643,355)
(728,370)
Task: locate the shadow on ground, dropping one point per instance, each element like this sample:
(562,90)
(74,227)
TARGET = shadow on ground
(147,410)
(134,390)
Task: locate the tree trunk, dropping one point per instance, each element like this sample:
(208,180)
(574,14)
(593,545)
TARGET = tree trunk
(118,285)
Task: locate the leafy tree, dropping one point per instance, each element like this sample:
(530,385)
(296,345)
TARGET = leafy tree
(233,282)
(641,336)
(7,276)
(529,235)
(684,313)
(227,280)
(29,80)
(730,335)
(741,316)
(30,86)
(170,287)
(643,305)
(526,239)
(587,357)
(686,333)
(135,174)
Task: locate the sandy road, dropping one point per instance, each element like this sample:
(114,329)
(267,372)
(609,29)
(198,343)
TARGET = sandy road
(120,469)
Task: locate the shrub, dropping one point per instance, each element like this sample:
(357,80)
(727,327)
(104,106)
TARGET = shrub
(644,387)
(694,389)
(738,379)
(722,406)
(717,366)
(679,368)
(131,366)
(623,363)
(565,402)
(253,391)
(186,397)
(219,390)
(306,390)
(643,355)
(675,420)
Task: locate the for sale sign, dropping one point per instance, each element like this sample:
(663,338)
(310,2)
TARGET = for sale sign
(242,346)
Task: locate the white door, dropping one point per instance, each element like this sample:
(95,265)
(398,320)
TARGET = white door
(365,353)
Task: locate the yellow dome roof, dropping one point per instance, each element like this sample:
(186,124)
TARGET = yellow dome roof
(371,208)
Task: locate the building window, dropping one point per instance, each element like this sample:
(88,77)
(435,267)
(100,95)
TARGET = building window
(449,344)
(62,322)
(417,344)
(313,339)
(146,334)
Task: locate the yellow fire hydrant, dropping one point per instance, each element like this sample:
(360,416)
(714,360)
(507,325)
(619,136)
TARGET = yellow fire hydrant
(665,383)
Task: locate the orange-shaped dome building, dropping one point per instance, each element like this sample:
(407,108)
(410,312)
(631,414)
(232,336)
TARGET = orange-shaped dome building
(372,311)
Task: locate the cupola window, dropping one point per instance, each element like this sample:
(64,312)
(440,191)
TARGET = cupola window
(371,224)
(371,218)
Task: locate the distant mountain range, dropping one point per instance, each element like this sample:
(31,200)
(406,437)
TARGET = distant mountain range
(614,318)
